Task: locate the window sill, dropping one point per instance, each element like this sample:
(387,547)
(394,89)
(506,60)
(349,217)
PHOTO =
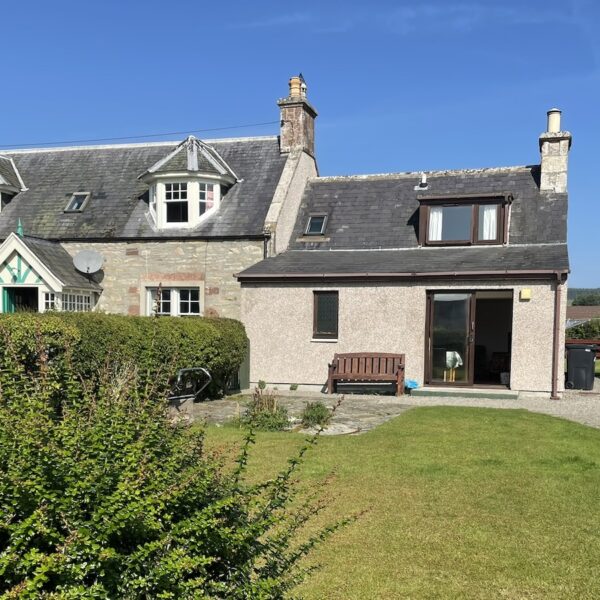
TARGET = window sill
(313,239)
(325,340)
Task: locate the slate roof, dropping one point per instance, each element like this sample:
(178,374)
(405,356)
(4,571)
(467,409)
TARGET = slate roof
(118,206)
(8,173)
(503,260)
(381,211)
(373,224)
(57,260)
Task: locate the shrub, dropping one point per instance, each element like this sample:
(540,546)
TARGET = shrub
(588,330)
(107,498)
(158,347)
(293,387)
(316,414)
(265,413)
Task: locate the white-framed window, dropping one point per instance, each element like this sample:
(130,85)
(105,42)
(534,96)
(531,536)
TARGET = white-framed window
(189,302)
(49,301)
(176,200)
(182,204)
(77,202)
(174,302)
(76,302)
(206,196)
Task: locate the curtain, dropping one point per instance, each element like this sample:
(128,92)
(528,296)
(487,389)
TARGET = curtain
(490,222)
(435,223)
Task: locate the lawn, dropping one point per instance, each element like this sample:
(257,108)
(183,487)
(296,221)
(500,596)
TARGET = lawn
(461,503)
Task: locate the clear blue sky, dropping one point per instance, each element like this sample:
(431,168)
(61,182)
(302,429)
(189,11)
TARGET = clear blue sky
(398,85)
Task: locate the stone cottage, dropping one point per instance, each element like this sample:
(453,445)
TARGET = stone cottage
(154,228)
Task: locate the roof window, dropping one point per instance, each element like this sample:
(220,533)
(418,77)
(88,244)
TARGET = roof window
(316,225)
(77,202)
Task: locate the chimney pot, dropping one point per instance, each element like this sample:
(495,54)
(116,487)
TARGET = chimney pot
(296,90)
(554,120)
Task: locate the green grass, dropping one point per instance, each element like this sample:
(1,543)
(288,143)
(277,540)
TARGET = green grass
(461,503)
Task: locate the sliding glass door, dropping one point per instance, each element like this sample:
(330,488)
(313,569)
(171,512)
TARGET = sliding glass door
(450,339)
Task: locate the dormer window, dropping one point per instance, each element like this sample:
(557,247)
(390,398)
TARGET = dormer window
(186,185)
(176,201)
(316,225)
(77,202)
(462,221)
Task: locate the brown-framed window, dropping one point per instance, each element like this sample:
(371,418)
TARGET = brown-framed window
(325,317)
(462,222)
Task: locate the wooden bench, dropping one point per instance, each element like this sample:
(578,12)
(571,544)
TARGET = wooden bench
(366,367)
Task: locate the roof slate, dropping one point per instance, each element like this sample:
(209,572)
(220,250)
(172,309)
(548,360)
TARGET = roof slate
(381,211)
(57,260)
(500,259)
(118,206)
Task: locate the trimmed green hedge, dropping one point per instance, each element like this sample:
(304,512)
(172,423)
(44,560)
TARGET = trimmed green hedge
(158,347)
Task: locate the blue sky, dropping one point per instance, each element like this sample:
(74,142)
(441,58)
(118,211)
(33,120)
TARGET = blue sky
(398,85)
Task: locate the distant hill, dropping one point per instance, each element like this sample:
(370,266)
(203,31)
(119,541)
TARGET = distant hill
(572,293)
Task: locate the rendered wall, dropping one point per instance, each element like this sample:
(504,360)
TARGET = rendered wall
(383,318)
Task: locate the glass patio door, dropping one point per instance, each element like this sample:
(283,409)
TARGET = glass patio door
(450,339)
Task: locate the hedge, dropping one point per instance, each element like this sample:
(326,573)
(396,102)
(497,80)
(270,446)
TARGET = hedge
(158,347)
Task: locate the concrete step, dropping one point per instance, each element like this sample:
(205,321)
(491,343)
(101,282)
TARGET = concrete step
(471,392)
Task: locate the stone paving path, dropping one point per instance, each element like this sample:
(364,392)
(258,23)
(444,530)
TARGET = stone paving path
(359,413)
(356,414)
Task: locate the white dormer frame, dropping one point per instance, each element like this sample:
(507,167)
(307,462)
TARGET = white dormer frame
(8,188)
(192,177)
(158,211)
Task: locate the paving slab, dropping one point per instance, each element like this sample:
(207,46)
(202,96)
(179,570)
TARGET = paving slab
(358,413)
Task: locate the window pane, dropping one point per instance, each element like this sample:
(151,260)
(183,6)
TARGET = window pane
(435,223)
(326,314)
(315,225)
(488,222)
(189,303)
(177,212)
(456,223)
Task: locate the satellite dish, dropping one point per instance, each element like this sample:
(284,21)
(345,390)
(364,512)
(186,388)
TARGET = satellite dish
(88,261)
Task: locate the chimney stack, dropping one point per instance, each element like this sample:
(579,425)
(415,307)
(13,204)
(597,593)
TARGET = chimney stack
(297,119)
(554,148)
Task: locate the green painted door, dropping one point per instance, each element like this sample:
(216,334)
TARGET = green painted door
(8,300)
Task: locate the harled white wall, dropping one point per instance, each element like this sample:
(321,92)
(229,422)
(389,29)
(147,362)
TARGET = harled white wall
(383,318)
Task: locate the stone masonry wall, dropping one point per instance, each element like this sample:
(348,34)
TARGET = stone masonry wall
(130,266)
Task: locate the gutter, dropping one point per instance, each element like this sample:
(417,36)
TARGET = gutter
(533,273)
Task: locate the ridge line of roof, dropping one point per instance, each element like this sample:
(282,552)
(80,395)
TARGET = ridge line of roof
(131,145)
(406,174)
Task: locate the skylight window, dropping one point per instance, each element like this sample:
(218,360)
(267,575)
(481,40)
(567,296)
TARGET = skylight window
(77,202)
(316,225)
